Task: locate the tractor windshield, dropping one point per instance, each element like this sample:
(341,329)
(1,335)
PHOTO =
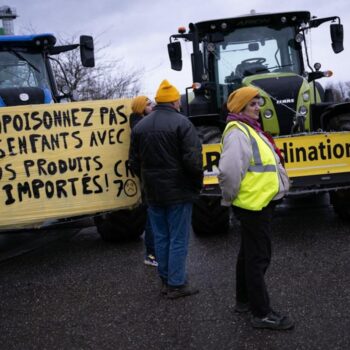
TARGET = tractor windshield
(255,50)
(22,69)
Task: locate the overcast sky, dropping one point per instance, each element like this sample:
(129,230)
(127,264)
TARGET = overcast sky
(138,30)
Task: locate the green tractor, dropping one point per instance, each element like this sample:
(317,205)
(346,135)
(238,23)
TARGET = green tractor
(268,51)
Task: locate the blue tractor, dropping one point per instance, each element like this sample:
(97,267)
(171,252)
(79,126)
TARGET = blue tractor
(26,75)
(26,78)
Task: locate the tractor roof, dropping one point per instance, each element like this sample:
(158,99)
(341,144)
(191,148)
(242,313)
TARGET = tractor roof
(259,19)
(36,41)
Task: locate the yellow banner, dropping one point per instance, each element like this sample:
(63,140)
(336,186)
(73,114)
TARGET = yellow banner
(305,155)
(211,156)
(317,154)
(63,160)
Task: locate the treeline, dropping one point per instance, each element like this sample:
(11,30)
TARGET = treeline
(109,79)
(340,91)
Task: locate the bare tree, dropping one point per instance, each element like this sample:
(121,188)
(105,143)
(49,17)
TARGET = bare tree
(107,80)
(340,90)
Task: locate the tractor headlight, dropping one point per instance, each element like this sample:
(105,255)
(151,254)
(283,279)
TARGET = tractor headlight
(306,96)
(302,110)
(262,101)
(268,114)
(317,66)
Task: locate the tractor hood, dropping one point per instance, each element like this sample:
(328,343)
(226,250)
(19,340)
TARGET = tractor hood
(285,97)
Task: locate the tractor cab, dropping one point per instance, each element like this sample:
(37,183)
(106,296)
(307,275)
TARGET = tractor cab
(26,76)
(252,55)
(267,51)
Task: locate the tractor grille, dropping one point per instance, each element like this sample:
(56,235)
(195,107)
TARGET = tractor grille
(285,91)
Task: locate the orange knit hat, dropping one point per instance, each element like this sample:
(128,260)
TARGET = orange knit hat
(239,98)
(167,93)
(138,104)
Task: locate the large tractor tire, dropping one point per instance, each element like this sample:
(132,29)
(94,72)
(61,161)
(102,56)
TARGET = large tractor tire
(340,122)
(341,203)
(209,134)
(122,225)
(209,217)
(340,199)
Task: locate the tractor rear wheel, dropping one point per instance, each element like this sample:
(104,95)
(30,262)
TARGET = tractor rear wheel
(208,216)
(340,122)
(122,225)
(340,199)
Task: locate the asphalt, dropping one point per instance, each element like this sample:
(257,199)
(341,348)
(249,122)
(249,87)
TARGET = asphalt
(83,293)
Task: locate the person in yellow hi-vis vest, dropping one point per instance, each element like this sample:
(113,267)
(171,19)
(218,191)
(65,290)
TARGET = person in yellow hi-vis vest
(252,179)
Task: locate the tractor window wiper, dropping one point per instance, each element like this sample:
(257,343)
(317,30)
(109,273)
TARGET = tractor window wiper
(21,57)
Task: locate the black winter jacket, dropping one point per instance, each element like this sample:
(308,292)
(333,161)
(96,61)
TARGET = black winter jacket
(165,153)
(134,119)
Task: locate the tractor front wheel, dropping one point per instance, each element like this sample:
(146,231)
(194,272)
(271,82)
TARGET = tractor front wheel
(122,225)
(208,216)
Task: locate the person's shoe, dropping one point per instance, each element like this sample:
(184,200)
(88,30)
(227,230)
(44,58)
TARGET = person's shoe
(151,260)
(273,321)
(242,307)
(182,291)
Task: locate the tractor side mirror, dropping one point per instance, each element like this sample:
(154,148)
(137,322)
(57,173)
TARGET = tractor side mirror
(87,51)
(175,55)
(337,36)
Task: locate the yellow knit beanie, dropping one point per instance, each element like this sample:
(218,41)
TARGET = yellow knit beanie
(138,104)
(167,93)
(239,98)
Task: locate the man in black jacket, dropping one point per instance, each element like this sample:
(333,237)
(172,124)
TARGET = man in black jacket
(165,153)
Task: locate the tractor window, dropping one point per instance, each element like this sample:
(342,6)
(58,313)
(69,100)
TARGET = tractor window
(255,50)
(22,69)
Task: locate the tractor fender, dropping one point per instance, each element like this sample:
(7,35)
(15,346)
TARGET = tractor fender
(214,120)
(332,111)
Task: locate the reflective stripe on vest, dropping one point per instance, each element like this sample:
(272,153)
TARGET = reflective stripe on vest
(258,167)
(261,183)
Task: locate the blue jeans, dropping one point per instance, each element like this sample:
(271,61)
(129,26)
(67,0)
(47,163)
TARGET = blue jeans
(149,238)
(171,228)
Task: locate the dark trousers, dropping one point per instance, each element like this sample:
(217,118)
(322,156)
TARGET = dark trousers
(254,258)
